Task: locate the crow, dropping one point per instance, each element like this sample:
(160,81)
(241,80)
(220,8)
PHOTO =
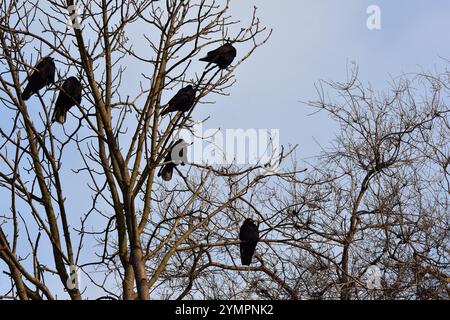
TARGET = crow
(69,96)
(166,170)
(42,75)
(249,236)
(222,56)
(182,101)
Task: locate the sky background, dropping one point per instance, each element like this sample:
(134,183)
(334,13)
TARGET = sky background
(313,40)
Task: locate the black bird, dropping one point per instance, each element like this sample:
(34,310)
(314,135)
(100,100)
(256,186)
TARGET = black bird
(222,56)
(182,101)
(69,96)
(42,75)
(166,170)
(249,236)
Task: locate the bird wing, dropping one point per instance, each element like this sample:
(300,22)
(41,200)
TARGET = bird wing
(219,51)
(183,98)
(72,88)
(46,70)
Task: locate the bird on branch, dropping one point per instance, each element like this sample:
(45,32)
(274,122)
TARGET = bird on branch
(182,101)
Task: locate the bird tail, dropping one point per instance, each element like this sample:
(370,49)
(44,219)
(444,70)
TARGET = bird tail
(206,59)
(59,115)
(166,172)
(26,94)
(245,261)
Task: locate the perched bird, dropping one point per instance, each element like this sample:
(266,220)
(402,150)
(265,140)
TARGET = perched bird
(182,101)
(69,96)
(42,75)
(249,236)
(222,56)
(166,170)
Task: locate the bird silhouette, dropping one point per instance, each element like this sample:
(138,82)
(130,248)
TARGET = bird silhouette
(69,96)
(249,236)
(222,56)
(166,171)
(182,101)
(42,75)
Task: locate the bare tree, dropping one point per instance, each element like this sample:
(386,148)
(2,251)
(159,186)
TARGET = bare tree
(376,199)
